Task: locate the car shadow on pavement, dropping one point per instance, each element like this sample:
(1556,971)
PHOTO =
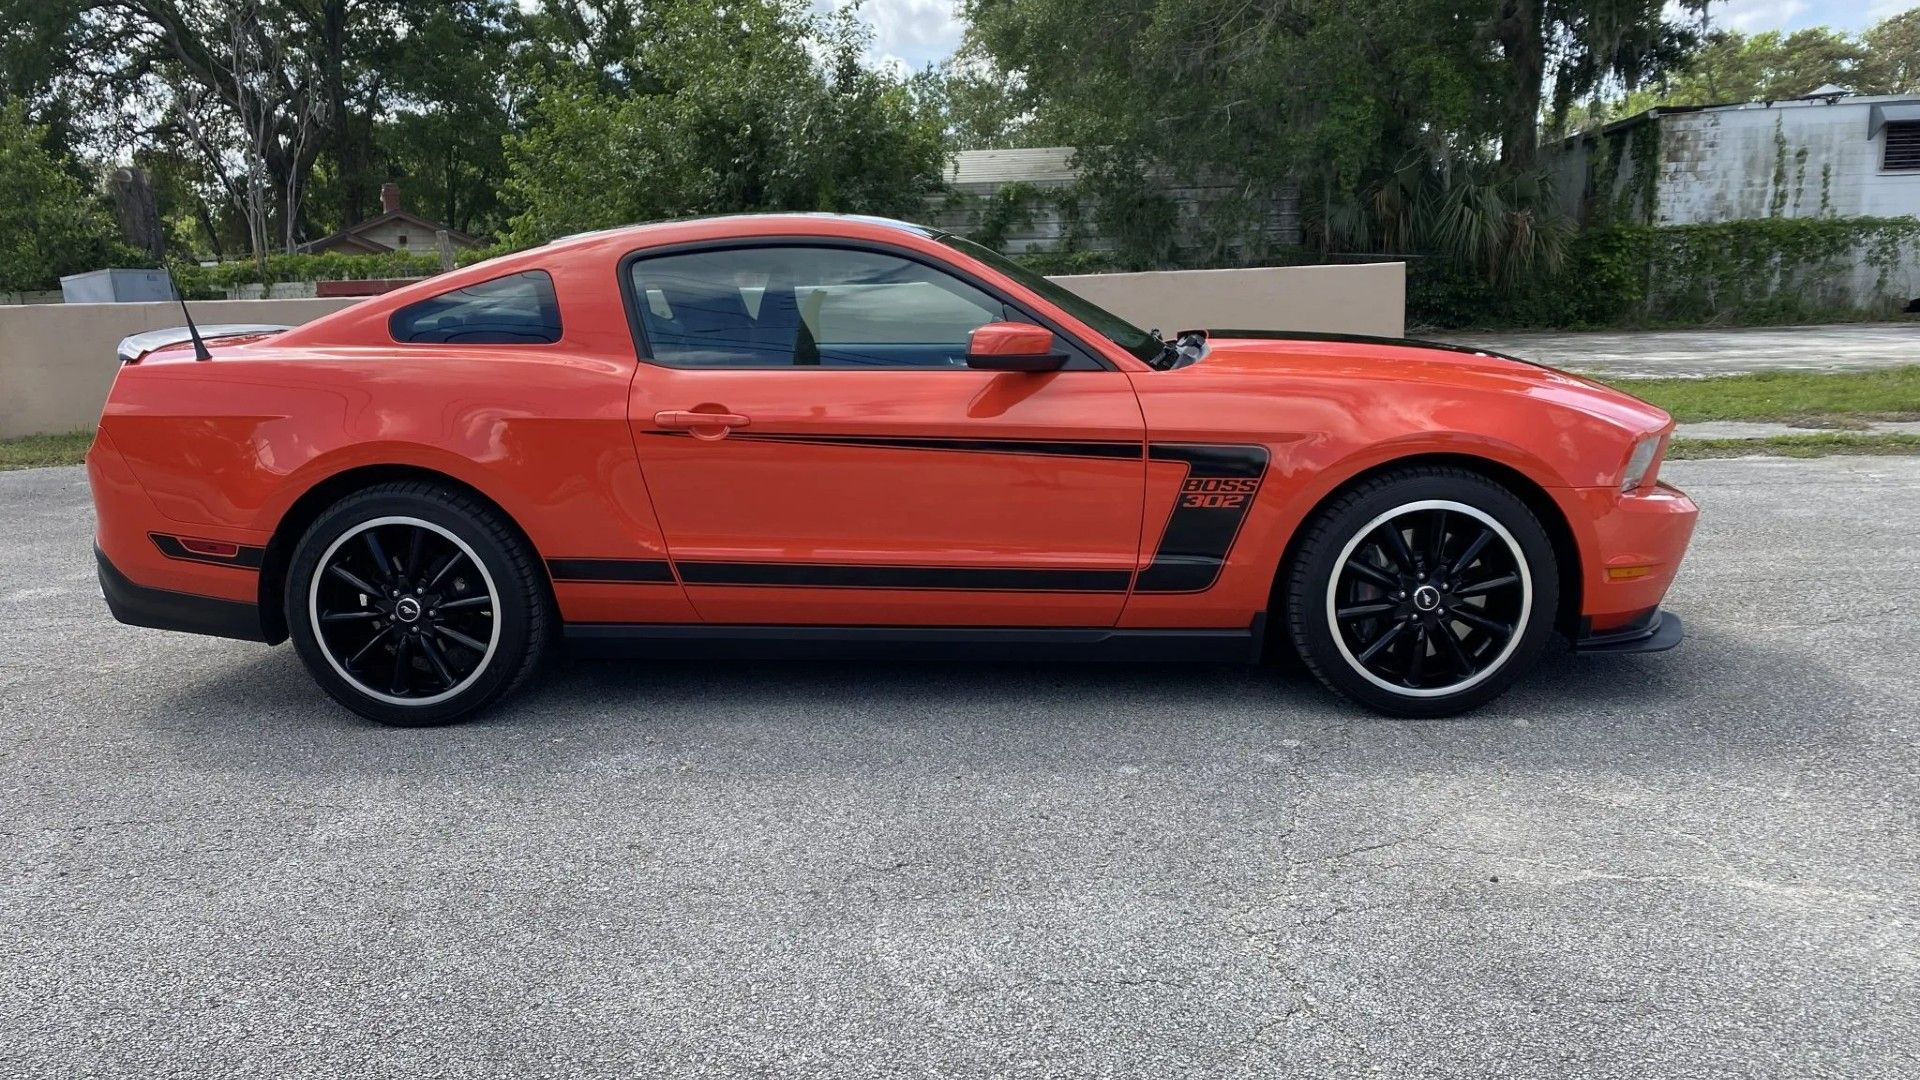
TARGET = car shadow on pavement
(264,697)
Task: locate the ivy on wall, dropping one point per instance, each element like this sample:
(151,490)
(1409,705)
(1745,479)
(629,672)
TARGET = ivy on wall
(1633,153)
(1007,210)
(1769,270)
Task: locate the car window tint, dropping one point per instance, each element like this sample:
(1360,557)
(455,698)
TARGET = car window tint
(519,309)
(805,306)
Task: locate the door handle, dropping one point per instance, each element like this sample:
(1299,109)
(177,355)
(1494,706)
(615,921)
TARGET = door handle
(705,426)
(681,418)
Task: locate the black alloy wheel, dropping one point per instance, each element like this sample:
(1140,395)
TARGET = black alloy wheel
(1424,591)
(413,604)
(1430,597)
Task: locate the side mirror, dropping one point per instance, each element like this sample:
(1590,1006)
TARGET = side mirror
(1012,346)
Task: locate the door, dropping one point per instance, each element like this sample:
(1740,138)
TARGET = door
(819,453)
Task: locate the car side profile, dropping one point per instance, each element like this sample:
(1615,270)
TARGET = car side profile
(816,435)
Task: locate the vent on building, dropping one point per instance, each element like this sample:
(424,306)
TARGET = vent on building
(1903,147)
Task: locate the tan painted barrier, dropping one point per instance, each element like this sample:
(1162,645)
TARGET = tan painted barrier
(1361,299)
(57,360)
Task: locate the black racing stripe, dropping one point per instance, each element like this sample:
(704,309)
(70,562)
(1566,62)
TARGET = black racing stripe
(1201,530)
(1040,447)
(851,576)
(1199,535)
(1215,459)
(622,571)
(1368,339)
(247,558)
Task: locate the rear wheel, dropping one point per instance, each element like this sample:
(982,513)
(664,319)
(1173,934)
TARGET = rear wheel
(412,604)
(1423,592)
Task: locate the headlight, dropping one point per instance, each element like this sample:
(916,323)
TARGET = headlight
(1640,463)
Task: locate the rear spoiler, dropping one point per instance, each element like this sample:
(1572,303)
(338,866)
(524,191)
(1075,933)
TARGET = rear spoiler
(134,347)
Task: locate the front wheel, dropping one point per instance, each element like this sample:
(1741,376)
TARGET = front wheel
(1423,592)
(413,604)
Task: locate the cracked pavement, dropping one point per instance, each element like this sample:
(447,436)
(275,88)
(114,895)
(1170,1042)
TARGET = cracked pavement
(1698,863)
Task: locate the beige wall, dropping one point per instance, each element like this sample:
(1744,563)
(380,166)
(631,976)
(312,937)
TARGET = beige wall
(1364,299)
(57,360)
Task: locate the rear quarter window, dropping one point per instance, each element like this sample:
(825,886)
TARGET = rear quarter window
(519,309)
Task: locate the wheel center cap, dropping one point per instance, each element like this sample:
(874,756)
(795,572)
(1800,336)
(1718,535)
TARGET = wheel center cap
(1426,598)
(406,609)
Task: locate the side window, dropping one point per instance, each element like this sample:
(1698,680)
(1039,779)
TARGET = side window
(806,306)
(519,309)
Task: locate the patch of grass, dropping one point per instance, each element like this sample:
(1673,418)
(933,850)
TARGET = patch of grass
(39,451)
(1799,446)
(1802,398)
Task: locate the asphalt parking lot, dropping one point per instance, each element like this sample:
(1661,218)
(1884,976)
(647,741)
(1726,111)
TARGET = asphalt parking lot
(1690,864)
(1694,353)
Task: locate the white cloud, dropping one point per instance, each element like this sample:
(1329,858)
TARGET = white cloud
(1754,16)
(910,33)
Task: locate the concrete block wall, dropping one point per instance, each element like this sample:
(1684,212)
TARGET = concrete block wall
(1793,160)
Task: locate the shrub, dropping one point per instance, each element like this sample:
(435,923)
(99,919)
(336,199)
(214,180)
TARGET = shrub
(204,282)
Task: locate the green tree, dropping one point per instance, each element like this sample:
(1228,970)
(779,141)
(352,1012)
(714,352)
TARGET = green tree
(37,44)
(1408,125)
(442,132)
(607,42)
(288,109)
(1731,67)
(986,106)
(761,106)
(1769,66)
(50,224)
(1576,47)
(1892,61)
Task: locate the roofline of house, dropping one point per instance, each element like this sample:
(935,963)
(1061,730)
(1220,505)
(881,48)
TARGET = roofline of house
(354,232)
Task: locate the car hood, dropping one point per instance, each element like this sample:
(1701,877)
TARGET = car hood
(1433,364)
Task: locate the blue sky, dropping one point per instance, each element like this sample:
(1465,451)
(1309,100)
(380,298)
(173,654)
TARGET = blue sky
(1756,15)
(915,33)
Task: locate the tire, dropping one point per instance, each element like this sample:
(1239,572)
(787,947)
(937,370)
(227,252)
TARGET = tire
(1372,619)
(460,618)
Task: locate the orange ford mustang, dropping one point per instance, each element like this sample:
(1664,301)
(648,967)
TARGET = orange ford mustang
(818,435)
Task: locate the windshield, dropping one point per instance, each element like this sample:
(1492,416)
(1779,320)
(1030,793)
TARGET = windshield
(1142,345)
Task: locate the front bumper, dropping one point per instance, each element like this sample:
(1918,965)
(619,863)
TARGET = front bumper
(1656,631)
(1630,547)
(162,609)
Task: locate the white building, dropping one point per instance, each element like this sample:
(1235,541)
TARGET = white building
(1829,154)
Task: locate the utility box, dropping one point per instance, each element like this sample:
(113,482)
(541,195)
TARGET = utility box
(116,287)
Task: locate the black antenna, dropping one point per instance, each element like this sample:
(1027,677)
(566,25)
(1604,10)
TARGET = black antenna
(199,344)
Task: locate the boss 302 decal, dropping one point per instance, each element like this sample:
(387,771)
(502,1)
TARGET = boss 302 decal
(1218,490)
(1212,505)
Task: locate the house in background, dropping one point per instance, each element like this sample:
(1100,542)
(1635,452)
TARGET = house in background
(396,229)
(1829,154)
